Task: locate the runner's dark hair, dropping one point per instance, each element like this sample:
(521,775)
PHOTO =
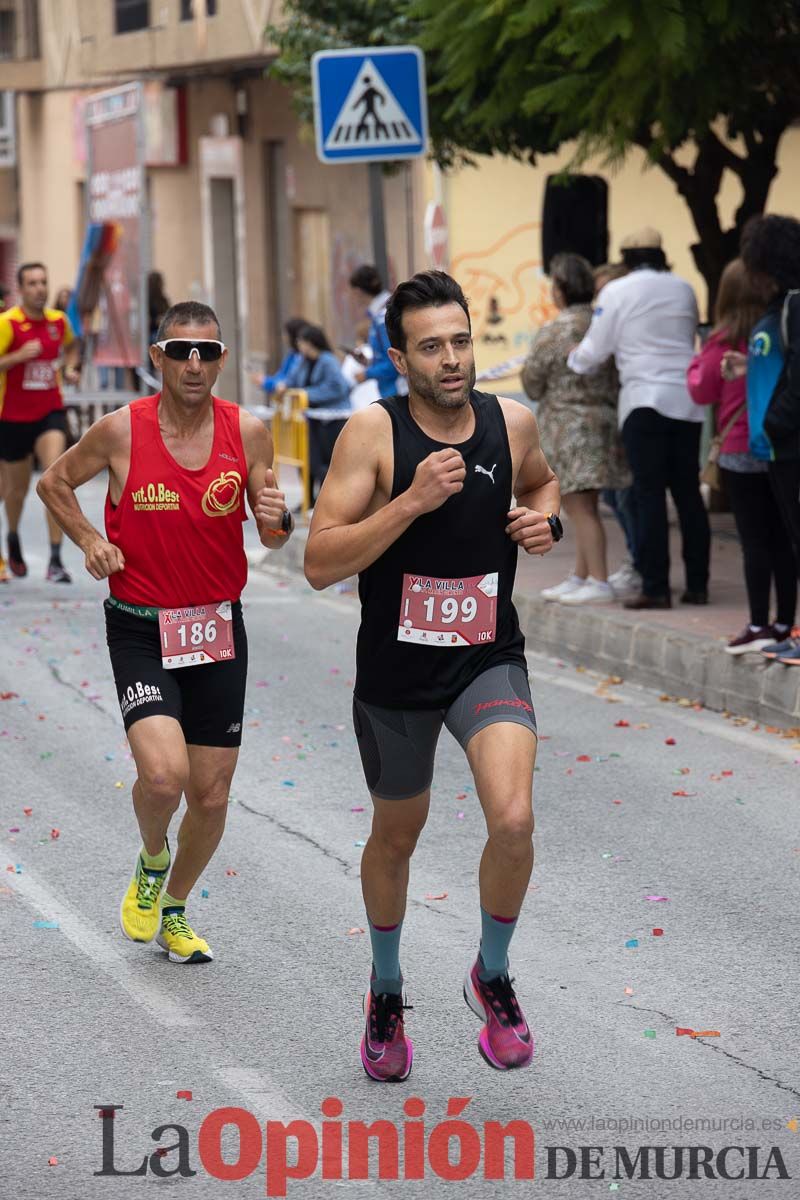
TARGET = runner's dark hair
(187,312)
(31,266)
(367,279)
(427,289)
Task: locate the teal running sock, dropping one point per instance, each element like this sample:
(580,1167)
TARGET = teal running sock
(386,958)
(496,935)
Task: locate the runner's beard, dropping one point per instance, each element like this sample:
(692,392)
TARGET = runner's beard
(428,390)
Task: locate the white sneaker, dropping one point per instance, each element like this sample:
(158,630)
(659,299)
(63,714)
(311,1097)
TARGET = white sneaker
(626,581)
(591,591)
(570,584)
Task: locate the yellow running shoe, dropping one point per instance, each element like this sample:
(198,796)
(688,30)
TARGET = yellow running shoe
(140,912)
(180,940)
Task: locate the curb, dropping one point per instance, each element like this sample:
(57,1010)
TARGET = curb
(680,664)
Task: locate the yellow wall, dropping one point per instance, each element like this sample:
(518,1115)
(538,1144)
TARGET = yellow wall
(494,218)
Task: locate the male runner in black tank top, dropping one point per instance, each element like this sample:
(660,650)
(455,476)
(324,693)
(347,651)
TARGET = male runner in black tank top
(418,501)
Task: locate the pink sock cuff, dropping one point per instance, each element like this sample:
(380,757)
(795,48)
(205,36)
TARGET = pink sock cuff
(504,920)
(384,928)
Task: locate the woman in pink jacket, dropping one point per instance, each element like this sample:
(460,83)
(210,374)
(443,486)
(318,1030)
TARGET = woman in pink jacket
(766,549)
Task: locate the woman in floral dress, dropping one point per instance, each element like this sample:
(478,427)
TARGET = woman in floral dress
(577,417)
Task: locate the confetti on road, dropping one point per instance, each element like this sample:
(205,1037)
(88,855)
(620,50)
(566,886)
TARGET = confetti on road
(356,929)
(230,871)
(658,932)
(670,742)
(584,758)
(55,834)
(358,808)
(649,1033)
(628,991)
(657,899)
(27,811)
(631,943)
(204,893)
(45,924)
(288,783)
(622,724)
(437,896)
(682,792)
(52,1162)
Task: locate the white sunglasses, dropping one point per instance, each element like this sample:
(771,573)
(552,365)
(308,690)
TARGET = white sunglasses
(182,349)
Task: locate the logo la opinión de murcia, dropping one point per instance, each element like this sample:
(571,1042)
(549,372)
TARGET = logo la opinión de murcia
(222,495)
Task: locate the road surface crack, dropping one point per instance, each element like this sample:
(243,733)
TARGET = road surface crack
(72,687)
(719,1049)
(303,837)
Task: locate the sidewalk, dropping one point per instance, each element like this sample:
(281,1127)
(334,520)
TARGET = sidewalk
(680,651)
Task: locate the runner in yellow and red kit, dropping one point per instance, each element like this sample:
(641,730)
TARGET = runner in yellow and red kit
(34,342)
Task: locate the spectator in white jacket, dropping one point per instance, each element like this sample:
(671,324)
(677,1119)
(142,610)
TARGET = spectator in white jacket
(647,321)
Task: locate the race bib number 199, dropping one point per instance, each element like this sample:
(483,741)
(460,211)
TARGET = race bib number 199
(448,612)
(191,637)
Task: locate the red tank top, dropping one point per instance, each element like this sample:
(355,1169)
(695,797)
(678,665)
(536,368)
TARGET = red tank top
(179,529)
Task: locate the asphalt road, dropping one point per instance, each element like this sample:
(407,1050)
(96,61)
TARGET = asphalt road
(272,1026)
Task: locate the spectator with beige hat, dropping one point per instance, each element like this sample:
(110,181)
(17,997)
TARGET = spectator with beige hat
(647,321)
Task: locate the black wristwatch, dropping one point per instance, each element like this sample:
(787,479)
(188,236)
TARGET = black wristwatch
(556,528)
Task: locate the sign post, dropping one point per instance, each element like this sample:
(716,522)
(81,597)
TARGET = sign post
(370,106)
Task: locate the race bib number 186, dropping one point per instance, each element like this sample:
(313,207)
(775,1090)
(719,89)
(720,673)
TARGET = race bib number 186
(193,636)
(448,612)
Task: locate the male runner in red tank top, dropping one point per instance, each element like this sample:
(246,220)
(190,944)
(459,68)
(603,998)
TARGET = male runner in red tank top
(429,497)
(179,464)
(37,351)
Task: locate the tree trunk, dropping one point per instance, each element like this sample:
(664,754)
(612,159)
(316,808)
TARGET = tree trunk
(700,186)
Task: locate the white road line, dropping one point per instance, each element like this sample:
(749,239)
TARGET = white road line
(163,1008)
(265,1101)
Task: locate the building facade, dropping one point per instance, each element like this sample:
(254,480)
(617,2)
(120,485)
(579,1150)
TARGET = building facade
(239,211)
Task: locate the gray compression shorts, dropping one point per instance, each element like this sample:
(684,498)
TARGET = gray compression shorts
(398,746)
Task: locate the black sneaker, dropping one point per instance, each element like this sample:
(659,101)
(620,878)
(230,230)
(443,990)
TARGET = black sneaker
(57,573)
(750,640)
(15,560)
(690,597)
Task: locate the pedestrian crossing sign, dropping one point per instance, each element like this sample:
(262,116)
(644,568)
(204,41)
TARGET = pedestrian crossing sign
(370,104)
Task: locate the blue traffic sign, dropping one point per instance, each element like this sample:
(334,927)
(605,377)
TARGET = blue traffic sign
(370,104)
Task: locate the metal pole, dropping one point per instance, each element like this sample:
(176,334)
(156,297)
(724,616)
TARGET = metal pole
(378,221)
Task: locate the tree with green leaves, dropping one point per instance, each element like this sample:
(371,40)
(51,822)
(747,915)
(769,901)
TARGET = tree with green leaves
(703,87)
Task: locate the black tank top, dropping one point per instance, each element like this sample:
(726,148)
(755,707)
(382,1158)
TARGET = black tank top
(463,538)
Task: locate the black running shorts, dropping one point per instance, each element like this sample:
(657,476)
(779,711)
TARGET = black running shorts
(208,701)
(18,438)
(398,746)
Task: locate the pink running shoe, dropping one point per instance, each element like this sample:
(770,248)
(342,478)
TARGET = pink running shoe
(505,1040)
(386,1052)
